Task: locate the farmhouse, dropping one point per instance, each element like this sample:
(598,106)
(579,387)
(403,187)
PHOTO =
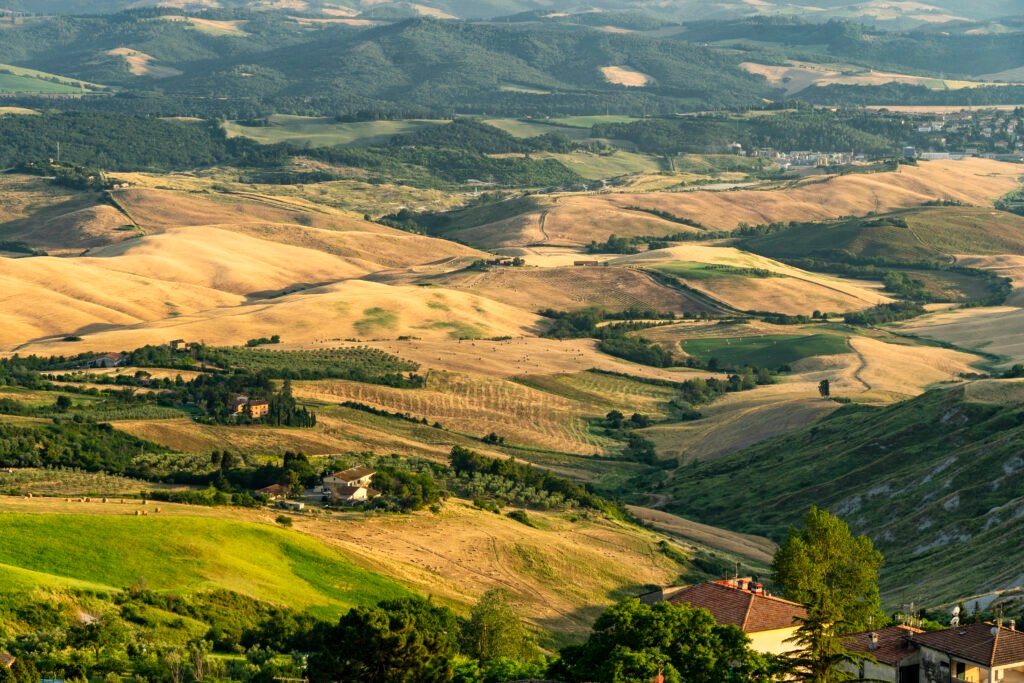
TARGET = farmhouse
(254,409)
(769,621)
(181,345)
(273,492)
(353,476)
(107,360)
(349,487)
(352,495)
(6,660)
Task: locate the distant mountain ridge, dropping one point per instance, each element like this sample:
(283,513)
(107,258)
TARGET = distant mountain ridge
(867,10)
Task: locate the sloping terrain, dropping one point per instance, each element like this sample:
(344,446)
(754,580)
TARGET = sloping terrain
(934,481)
(753,283)
(579,219)
(930,232)
(561,573)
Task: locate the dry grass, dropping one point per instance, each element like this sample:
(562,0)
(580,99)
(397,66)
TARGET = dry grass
(795,291)
(517,356)
(561,574)
(755,548)
(567,288)
(620,75)
(142,64)
(574,220)
(352,309)
(997,330)
(478,405)
(797,76)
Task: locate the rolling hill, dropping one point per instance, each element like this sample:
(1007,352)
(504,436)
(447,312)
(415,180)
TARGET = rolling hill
(914,235)
(580,219)
(922,478)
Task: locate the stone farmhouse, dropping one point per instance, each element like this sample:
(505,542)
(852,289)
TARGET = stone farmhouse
(349,487)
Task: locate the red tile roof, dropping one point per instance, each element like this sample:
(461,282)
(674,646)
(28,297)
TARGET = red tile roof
(752,612)
(354,473)
(893,643)
(982,643)
(7,660)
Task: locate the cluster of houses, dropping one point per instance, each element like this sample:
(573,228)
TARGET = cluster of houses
(807,158)
(347,487)
(981,652)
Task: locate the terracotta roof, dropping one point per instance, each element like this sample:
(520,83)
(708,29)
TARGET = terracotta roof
(7,660)
(893,643)
(977,643)
(273,489)
(353,473)
(752,612)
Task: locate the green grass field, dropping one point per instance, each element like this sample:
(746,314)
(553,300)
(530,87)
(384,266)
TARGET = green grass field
(591,121)
(707,271)
(325,132)
(19,79)
(26,84)
(530,129)
(771,351)
(597,166)
(184,554)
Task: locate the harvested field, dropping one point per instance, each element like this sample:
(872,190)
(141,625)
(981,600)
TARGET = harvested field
(517,356)
(477,406)
(613,289)
(738,279)
(348,310)
(142,64)
(754,548)
(577,219)
(797,76)
(620,75)
(996,330)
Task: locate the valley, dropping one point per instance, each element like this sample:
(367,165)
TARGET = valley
(329,331)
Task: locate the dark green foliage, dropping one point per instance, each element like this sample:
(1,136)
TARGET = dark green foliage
(92,447)
(406,640)
(637,350)
(404,490)
(521,517)
(885,313)
(805,129)
(465,461)
(123,142)
(634,642)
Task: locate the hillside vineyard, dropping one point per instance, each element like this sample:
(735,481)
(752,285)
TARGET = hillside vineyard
(477,342)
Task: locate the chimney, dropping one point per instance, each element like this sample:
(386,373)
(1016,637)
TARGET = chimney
(872,641)
(1013,624)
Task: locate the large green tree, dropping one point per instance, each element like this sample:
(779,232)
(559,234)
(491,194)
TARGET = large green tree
(495,631)
(632,642)
(835,575)
(825,567)
(406,640)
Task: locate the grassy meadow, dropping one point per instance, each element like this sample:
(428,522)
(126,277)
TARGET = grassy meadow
(324,132)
